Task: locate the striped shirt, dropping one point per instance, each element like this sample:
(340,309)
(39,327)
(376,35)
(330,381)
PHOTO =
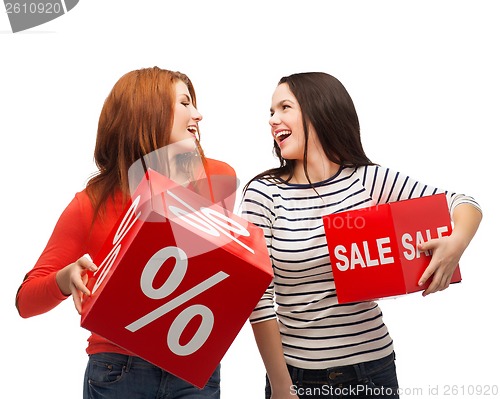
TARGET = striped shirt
(316,331)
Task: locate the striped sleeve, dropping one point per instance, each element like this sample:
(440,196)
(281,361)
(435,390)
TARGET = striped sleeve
(386,185)
(257,208)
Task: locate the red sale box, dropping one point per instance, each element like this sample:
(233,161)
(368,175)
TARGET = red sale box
(178,277)
(373,251)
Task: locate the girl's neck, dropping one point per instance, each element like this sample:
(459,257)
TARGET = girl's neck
(318,170)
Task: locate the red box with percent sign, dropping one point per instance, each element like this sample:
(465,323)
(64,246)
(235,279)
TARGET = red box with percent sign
(373,250)
(177,280)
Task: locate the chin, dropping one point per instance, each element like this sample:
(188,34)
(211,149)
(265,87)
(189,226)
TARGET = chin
(187,144)
(289,156)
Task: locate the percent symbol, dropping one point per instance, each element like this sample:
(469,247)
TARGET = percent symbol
(173,281)
(209,221)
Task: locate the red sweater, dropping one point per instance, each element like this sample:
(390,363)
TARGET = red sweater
(72,238)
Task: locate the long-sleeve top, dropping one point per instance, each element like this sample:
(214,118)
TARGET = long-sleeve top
(74,236)
(316,331)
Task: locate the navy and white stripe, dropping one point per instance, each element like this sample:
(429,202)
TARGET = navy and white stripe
(316,331)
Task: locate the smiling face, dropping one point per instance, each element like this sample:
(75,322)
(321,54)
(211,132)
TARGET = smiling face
(186,116)
(286,123)
(297,144)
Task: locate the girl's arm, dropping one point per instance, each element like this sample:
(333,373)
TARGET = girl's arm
(268,339)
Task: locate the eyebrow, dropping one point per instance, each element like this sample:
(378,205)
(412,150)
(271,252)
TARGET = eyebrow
(281,103)
(185,96)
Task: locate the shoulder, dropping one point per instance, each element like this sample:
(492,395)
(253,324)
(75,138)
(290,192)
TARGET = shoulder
(77,213)
(216,167)
(364,169)
(261,188)
(83,197)
(222,182)
(266,181)
(81,205)
(367,173)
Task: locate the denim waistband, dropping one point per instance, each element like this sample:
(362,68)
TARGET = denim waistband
(338,375)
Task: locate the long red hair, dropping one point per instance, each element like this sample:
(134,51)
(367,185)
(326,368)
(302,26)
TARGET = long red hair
(136,119)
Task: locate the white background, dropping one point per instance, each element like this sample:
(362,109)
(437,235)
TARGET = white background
(424,78)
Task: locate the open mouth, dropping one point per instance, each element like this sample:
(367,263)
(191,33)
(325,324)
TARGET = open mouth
(193,130)
(282,135)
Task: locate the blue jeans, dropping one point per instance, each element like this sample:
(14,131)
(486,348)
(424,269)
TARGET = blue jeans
(116,376)
(369,380)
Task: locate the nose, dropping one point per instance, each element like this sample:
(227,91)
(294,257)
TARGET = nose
(196,115)
(274,120)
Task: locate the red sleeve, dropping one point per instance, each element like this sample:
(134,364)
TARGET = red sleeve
(39,291)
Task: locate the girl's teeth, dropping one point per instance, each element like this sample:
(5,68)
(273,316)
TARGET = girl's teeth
(284,134)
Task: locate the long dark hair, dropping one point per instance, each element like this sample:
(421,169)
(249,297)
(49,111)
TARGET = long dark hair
(328,108)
